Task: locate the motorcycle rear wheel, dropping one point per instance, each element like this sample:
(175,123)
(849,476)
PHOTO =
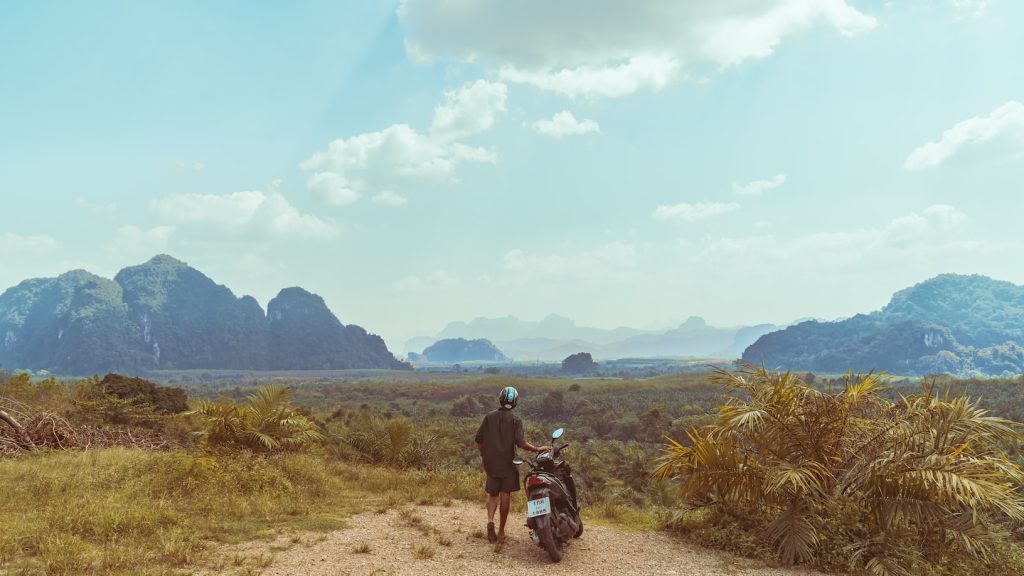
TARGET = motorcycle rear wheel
(548,541)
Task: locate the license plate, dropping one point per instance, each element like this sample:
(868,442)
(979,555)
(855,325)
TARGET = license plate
(538,507)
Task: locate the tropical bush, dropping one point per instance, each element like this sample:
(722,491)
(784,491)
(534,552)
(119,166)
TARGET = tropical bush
(893,487)
(162,399)
(267,422)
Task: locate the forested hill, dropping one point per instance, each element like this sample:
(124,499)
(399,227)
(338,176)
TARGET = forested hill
(451,350)
(963,325)
(166,315)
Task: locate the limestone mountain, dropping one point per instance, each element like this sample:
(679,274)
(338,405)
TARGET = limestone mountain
(304,334)
(76,322)
(189,321)
(166,315)
(453,350)
(963,325)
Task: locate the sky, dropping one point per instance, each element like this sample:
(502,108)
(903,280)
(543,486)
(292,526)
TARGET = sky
(425,161)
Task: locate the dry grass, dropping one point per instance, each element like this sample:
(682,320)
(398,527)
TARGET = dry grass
(423,552)
(128,511)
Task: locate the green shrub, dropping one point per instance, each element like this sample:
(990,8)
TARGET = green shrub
(897,486)
(266,423)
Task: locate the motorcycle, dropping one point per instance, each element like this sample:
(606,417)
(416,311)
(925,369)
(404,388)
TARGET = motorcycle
(552,507)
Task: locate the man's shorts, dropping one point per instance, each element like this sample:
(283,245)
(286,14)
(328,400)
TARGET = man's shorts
(505,484)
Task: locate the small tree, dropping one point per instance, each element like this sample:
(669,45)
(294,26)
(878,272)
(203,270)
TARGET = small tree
(579,363)
(265,423)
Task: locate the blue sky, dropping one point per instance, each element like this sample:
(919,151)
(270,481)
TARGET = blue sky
(427,161)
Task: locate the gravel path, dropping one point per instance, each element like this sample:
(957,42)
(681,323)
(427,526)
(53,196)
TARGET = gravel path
(401,542)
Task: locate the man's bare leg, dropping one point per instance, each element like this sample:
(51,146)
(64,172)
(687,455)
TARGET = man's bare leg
(492,505)
(506,500)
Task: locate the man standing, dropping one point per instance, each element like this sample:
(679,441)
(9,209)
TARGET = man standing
(499,434)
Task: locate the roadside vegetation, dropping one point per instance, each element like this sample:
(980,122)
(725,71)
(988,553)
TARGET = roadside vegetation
(850,479)
(266,457)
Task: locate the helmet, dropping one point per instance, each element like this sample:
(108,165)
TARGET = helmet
(508,398)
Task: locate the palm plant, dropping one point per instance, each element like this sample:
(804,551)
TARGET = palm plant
(392,443)
(266,423)
(896,483)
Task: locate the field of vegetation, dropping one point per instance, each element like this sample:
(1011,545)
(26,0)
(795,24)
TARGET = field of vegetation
(119,476)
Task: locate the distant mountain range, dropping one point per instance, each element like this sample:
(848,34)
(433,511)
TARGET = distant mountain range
(961,325)
(556,337)
(166,315)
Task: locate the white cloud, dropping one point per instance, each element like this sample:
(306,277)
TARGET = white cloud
(613,260)
(1005,121)
(389,198)
(639,72)
(755,35)
(468,110)
(617,48)
(134,237)
(18,245)
(693,212)
(565,124)
(332,188)
(945,216)
(757,187)
(400,156)
(240,212)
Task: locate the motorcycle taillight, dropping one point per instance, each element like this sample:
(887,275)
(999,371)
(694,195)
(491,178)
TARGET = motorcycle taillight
(535,481)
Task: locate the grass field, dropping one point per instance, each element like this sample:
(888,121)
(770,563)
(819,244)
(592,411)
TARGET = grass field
(386,443)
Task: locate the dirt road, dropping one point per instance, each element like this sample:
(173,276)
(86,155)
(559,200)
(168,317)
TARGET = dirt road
(442,541)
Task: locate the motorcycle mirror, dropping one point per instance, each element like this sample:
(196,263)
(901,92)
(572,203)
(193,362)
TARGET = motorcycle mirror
(557,434)
(517,461)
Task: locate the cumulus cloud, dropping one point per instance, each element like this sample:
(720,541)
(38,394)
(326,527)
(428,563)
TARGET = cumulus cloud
(240,212)
(609,260)
(565,124)
(400,156)
(618,48)
(693,212)
(468,110)
(18,245)
(332,188)
(1006,121)
(389,198)
(757,187)
(134,236)
(644,72)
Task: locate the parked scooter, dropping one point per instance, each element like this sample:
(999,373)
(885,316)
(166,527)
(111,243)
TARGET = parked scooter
(553,510)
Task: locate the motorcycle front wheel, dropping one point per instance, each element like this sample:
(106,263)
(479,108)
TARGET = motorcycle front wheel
(548,541)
